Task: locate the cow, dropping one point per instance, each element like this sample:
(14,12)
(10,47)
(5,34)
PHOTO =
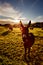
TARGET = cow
(9,26)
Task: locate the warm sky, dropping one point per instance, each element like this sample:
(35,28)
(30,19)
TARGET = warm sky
(24,10)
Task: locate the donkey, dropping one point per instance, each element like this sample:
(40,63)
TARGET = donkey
(28,38)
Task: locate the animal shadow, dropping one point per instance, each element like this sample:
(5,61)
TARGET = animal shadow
(5,33)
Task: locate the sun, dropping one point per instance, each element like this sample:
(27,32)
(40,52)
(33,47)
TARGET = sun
(16,21)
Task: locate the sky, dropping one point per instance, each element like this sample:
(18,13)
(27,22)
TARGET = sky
(24,10)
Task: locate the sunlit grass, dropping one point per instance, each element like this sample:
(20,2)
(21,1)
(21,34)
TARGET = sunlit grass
(12,49)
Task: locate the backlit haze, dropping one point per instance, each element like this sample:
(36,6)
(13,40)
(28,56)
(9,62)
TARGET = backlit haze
(24,10)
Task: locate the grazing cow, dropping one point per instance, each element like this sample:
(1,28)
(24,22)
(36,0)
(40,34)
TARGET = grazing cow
(28,38)
(9,26)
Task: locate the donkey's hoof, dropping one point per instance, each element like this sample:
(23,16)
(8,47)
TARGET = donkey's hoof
(29,57)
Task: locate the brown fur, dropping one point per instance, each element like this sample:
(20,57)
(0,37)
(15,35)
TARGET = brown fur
(28,38)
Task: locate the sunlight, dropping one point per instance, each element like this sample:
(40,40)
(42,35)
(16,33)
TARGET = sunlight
(16,21)
(32,21)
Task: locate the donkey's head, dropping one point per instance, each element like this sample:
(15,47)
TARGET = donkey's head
(24,29)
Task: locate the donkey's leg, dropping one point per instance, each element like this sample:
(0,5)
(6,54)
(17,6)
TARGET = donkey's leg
(29,53)
(29,50)
(25,49)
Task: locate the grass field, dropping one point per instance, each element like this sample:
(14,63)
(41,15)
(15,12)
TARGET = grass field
(12,49)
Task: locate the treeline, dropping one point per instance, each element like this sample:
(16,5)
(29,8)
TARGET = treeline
(38,24)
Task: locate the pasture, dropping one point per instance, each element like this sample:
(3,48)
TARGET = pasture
(12,49)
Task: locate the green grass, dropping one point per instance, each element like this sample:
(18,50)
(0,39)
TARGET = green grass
(12,49)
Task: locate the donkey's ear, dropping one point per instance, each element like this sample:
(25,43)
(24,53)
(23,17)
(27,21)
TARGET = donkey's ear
(21,25)
(29,24)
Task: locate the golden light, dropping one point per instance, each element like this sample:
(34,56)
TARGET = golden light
(16,21)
